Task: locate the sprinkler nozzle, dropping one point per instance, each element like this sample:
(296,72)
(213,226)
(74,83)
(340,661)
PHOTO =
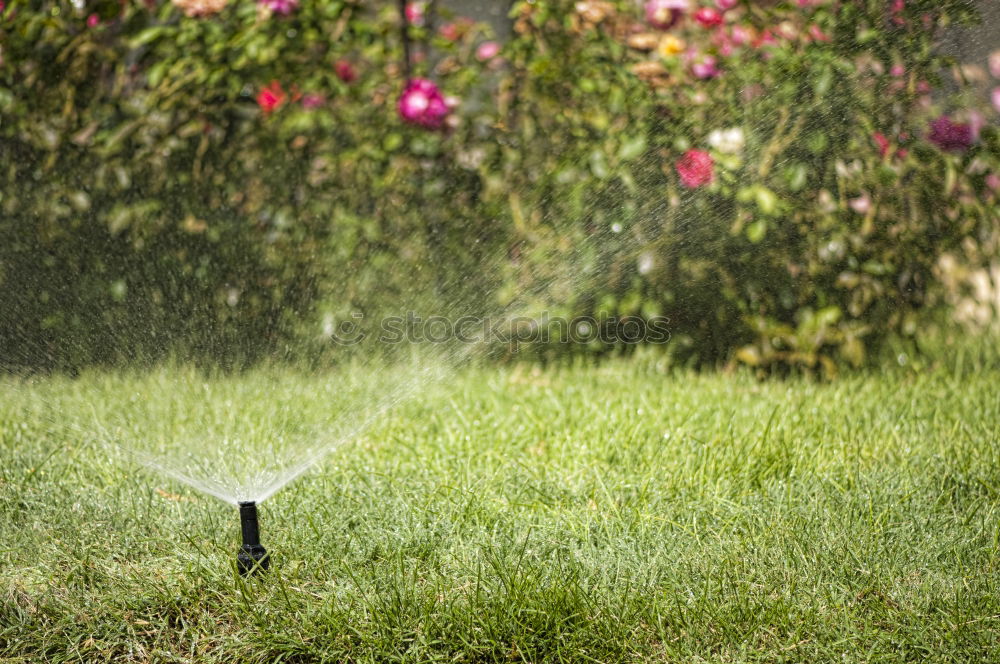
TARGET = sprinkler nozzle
(253,558)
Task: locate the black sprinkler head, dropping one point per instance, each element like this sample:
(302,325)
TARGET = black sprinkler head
(253,558)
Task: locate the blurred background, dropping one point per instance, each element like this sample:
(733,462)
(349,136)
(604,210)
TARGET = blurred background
(800,185)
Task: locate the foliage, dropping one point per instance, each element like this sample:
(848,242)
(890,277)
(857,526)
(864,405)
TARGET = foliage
(154,203)
(815,241)
(224,180)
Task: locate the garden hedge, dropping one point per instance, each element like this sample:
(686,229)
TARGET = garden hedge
(228,181)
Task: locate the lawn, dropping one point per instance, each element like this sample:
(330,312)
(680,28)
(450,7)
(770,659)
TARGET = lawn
(611,513)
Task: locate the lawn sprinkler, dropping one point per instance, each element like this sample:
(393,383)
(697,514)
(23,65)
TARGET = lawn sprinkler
(253,558)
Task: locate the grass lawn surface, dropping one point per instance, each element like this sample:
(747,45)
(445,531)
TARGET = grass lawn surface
(609,514)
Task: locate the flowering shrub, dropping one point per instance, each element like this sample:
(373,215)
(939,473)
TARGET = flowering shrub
(195,177)
(779,179)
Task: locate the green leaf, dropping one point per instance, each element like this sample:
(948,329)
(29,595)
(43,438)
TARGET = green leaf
(823,82)
(392,142)
(796,175)
(756,230)
(146,36)
(632,148)
(767,200)
(599,165)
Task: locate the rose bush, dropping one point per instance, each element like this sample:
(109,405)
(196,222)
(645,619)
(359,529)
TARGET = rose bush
(225,179)
(783,176)
(197,178)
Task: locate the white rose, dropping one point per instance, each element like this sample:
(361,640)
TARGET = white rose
(727,141)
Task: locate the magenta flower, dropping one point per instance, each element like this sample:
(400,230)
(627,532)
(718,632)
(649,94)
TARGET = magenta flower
(312,100)
(281,7)
(995,98)
(724,43)
(764,39)
(423,104)
(708,17)
(726,5)
(695,168)
(457,29)
(664,14)
(950,136)
(896,11)
(882,142)
(704,67)
(415,13)
(93,21)
(741,35)
(817,34)
(345,71)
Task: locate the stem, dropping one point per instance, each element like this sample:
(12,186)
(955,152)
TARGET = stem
(431,24)
(405,36)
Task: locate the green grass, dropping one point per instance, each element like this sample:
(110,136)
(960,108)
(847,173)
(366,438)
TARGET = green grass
(581,514)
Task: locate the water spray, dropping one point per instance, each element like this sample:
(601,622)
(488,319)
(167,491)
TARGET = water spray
(253,558)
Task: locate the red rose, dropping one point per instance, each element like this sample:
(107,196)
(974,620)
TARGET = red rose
(695,168)
(708,17)
(345,71)
(882,142)
(271,97)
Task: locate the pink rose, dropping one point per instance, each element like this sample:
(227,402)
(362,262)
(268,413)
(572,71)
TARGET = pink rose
(345,71)
(664,14)
(708,17)
(817,33)
(487,51)
(896,11)
(423,104)
(695,168)
(704,67)
(281,7)
(765,38)
(723,43)
(415,13)
(457,29)
(312,100)
(741,35)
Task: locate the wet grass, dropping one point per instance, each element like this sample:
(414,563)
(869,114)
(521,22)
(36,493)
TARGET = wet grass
(591,514)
